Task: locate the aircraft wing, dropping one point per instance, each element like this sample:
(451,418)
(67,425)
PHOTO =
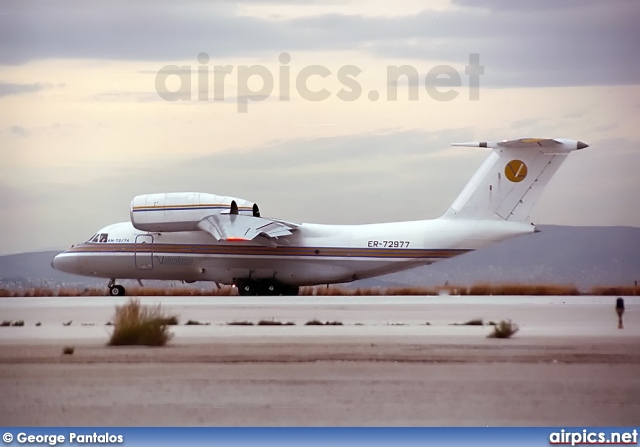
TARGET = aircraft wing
(237,227)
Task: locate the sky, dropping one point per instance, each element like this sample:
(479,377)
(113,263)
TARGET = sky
(299,107)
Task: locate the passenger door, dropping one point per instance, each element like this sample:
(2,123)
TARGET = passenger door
(144,252)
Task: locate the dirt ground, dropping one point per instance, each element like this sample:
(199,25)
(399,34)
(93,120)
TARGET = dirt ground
(568,366)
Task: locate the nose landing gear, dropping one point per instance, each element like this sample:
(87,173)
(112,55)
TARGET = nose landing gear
(115,290)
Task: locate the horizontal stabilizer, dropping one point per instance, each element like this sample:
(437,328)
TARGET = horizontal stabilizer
(237,227)
(545,144)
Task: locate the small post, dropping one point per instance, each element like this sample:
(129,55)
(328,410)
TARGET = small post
(620,311)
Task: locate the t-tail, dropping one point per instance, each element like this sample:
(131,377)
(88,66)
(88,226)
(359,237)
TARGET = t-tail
(511,179)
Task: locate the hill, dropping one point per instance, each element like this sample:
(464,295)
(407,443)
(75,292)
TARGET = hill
(584,256)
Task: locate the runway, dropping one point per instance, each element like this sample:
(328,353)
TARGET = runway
(568,365)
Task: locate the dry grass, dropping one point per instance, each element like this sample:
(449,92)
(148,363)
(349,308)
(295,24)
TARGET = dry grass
(372,291)
(181,291)
(615,290)
(504,329)
(410,291)
(522,289)
(131,291)
(135,324)
(476,289)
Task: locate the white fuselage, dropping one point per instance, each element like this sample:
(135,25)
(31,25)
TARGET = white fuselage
(205,237)
(314,254)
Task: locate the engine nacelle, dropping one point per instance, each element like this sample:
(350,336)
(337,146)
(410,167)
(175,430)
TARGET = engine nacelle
(181,211)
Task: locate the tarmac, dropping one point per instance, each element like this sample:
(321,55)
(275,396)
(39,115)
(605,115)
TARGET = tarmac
(394,361)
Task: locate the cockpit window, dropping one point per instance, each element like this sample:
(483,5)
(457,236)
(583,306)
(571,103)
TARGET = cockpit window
(99,237)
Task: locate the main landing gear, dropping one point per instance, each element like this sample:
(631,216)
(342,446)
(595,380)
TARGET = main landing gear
(115,290)
(250,287)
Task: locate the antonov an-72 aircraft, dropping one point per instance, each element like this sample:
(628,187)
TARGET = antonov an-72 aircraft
(205,237)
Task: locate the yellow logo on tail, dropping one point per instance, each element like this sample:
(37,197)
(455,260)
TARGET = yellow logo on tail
(515,170)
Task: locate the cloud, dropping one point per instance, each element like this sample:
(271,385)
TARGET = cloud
(520,43)
(7,88)
(364,178)
(20,131)
(525,6)
(122,96)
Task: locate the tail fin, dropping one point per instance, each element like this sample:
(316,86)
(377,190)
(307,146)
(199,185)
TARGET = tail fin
(511,179)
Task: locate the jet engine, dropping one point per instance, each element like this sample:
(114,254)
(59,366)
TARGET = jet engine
(182,211)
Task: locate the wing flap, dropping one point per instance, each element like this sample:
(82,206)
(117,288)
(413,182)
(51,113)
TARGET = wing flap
(235,227)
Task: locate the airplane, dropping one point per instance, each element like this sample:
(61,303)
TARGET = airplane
(205,237)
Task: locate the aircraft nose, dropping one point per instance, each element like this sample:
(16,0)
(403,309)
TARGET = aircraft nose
(582,145)
(65,262)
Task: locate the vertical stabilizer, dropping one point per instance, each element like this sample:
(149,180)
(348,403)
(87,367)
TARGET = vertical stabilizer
(511,179)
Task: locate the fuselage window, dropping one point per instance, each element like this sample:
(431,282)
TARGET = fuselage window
(103,237)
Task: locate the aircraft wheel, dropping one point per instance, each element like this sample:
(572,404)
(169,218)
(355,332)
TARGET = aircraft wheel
(247,288)
(116,291)
(269,288)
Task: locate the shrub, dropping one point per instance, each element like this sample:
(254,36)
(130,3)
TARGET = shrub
(504,329)
(275,323)
(18,323)
(68,350)
(169,321)
(196,323)
(6,323)
(320,323)
(476,322)
(135,324)
(314,323)
(240,323)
